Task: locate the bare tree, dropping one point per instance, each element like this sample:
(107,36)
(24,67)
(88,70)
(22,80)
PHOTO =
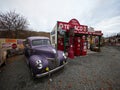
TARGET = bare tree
(11,21)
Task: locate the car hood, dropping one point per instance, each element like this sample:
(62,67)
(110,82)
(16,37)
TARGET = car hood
(46,51)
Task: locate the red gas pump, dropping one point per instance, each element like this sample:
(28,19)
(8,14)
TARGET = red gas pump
(77,46)
(83,46)
(61,44)
(71,50)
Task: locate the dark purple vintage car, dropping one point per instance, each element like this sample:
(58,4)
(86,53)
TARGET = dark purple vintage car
(42,57)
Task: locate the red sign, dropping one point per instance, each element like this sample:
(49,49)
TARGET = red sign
(72,24)
(10,40)
(80,29)
(14,46)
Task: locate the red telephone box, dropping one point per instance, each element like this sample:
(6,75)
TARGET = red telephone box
(77,46)
(83,46)
(61,44)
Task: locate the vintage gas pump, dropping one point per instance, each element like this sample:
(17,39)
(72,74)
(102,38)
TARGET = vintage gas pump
(83,46)
(61,39)
(61,44)
(71,50)
(77,46)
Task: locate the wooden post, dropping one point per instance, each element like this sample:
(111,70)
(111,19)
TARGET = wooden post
(99,42)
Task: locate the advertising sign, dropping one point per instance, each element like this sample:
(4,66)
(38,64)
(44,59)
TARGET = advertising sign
(72,24)
(63,26)
(10,40)
(6,45)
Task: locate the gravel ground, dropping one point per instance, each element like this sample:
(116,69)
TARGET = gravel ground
(96,71)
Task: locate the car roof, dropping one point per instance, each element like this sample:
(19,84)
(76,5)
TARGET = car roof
(37,37)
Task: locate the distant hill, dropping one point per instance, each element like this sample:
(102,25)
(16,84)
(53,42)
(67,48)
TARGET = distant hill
(22,34)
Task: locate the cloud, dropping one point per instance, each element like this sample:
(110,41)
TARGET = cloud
(43,14)
(109,26)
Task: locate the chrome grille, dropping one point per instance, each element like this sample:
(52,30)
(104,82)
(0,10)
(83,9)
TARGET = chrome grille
(53,63)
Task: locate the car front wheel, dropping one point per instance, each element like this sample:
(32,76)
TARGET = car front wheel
(32,73)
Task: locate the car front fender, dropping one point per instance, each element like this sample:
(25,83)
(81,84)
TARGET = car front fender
(61,57)
(34,58)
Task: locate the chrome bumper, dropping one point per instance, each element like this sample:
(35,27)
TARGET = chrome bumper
(51,71)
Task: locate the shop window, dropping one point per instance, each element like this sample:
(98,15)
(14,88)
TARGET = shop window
(53,39)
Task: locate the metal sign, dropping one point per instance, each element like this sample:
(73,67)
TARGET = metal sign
(72,24)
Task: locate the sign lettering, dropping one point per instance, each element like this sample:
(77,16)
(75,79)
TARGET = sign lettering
(72,24)
(63,26)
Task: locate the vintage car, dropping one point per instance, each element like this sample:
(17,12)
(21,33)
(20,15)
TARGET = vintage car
(42,57)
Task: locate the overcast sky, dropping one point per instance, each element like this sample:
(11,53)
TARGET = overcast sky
(42,15)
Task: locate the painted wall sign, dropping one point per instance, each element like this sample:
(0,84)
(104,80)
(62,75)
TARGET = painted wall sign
(6,45)
(10,40)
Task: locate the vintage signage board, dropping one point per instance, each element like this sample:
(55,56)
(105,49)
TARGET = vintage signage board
(80,29)
(73,24)
(10,40)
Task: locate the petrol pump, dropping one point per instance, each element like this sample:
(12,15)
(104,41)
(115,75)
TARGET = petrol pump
(83,45)
(61,44)
(71,50)
(77,46)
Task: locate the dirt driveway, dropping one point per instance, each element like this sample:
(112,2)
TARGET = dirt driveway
(96,71)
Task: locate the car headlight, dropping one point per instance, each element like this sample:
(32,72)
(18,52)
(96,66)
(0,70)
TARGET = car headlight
(64,55)
(54,51)
(39,64)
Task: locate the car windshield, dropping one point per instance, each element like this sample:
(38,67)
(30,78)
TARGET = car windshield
(41,42)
